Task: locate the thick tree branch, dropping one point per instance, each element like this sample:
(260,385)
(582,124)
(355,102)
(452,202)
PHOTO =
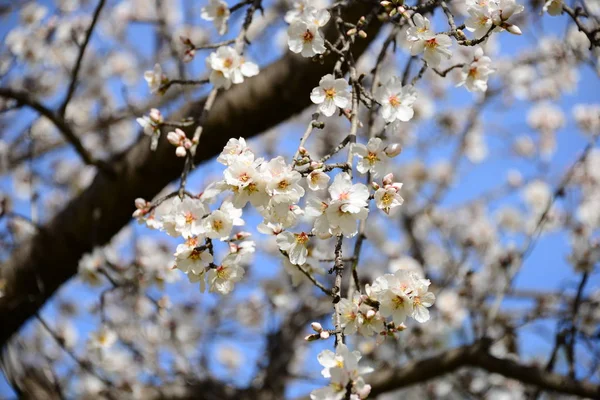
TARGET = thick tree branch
(477,355)
(41,264)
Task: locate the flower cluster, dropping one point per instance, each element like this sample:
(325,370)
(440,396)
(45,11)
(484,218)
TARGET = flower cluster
(342,369)
(488,15)
(401,295)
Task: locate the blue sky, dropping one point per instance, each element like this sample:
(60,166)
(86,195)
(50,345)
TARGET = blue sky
(546,267)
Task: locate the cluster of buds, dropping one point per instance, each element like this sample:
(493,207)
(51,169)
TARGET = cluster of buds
(190,49)
(142,207)
(179,140)
(321,333)
(358,30)
(394,7)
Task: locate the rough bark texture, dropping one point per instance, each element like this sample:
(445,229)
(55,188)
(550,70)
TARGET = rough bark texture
(42,264)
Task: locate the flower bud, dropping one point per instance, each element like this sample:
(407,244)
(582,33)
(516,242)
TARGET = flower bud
(180,151)
(174,138)
(156,116)
(397,186)
(370,314)
(324,335)
(351,32)
(364,391)
(311,338)
(513,29)
(316,327)
(140,203)
(242,235)
(375,185)
(392,150)
(388,179)
(385,3)
(362,34)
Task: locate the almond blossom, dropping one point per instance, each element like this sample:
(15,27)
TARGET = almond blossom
(343,370)
(474,76)
(387,198)
(185,218)
(191,258)
(223,278)
(294,244)
(317,180)
(348,205)
(433,49)
(304,36)
(372,157)
(331,93)
(396,100)
(155,78)
(228,67)
(216,11)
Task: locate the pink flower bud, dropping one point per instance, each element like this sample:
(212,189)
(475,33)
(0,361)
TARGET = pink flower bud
(397,186)
(173,138)
(364,391)
(138,213)
(187,143)
(156,116)
(316,327)
(392,150)
(375,185)
(242,235)
(180,151)
(388,179)
(140,203)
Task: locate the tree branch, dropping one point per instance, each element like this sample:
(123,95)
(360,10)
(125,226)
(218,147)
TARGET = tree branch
(49,258)
(477,355)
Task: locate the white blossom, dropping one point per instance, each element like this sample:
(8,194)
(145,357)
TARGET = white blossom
(331,93)
(216,11)
(304,36)
(295,246)
(155,78)
(191,258)
(474,76)
(372,157)
(223,278)
(317,180)
(396,100)
(228,67)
